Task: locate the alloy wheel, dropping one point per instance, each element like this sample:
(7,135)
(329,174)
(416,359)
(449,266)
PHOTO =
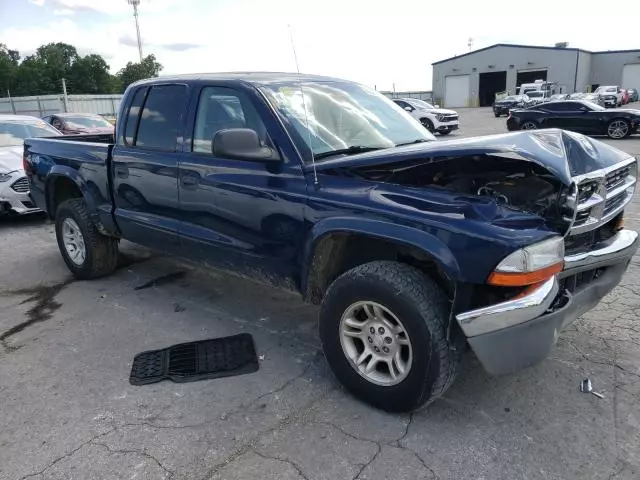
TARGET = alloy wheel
(73,241)
(376,343)
(618,129)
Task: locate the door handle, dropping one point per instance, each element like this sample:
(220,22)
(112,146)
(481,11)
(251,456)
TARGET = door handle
(189,181)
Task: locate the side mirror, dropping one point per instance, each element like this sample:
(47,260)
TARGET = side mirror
(408,109)
(242,144)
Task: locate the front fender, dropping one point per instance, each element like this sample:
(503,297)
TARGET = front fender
(382,230)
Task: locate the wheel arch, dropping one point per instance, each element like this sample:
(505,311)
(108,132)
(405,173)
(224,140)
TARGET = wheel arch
(65,183)
(339,244)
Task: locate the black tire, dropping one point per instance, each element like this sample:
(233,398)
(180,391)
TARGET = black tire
(101,256)
(445,132)
(423,310)
(535,125)
(428,124)
(497,115)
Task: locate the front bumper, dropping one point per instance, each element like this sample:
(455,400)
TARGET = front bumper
(446,126)
(502,109)
(14,198)
(515,334)
(610,102)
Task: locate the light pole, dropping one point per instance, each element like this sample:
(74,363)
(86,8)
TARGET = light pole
(135,4)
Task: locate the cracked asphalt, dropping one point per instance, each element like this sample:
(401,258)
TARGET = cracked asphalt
(69,412)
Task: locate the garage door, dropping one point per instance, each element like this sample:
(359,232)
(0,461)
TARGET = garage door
(631,76)
(456,91)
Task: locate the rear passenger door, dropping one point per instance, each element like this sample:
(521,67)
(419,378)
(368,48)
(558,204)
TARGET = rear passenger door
(145,166)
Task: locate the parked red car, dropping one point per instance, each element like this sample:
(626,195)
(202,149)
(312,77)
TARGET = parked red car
(625,96)
(78,123)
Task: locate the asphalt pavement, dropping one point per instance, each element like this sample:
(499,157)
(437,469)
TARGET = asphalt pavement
(69,412)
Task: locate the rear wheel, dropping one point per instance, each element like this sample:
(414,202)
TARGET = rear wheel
(87,253)
(383,332)
(618,128)
(529,125)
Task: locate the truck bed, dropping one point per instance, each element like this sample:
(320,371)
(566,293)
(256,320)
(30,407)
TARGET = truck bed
(83,161)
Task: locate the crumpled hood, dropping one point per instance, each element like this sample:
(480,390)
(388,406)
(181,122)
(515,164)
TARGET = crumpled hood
(10,159)
(564,154)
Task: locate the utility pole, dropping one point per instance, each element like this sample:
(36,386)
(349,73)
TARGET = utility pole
(65,97)
(13,107)
(135,4)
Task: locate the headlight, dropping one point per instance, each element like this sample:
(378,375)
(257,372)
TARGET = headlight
(4,177)
(529,265)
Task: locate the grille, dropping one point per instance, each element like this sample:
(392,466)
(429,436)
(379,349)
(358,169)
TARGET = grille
(21,185)
(449,118)
(602,195)
(617,177)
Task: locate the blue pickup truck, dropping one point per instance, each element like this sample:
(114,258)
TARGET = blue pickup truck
(416,249)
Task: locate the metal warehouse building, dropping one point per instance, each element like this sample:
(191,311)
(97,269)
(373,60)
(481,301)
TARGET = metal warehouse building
(473,79)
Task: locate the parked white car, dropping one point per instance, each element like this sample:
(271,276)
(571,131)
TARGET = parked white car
(431,117)
(611,95)
(14,186)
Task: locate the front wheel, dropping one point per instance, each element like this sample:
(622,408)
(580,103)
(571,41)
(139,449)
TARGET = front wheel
(87,253)
(497,115)
(383,332)
(618,128)
(428,124)
(444,132)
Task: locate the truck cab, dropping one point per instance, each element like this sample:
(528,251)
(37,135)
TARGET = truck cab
(415,250)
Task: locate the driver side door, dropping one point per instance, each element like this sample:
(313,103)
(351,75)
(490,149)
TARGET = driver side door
(567,115)
(241,215)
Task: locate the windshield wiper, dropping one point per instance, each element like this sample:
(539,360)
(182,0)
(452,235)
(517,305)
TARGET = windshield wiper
(346,151)
(420,140)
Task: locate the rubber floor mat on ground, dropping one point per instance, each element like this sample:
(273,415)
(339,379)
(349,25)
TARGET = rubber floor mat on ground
(193,361)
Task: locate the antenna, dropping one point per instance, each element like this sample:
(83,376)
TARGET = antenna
(304,107)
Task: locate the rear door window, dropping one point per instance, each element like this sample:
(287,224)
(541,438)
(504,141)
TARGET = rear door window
(159,123)
(133,115)
(402,104)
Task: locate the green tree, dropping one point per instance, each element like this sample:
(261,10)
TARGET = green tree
(132,72)
(9,60)
(90,74)
(29,79)
(56,60)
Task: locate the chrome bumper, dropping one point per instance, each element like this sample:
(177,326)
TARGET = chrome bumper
(534,304)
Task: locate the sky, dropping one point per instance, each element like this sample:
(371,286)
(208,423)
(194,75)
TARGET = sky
(375,42)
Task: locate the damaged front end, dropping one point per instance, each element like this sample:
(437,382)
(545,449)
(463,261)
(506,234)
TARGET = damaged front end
(545,173)
(574,186)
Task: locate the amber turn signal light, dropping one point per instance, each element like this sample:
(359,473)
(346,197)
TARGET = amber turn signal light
(521,279)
